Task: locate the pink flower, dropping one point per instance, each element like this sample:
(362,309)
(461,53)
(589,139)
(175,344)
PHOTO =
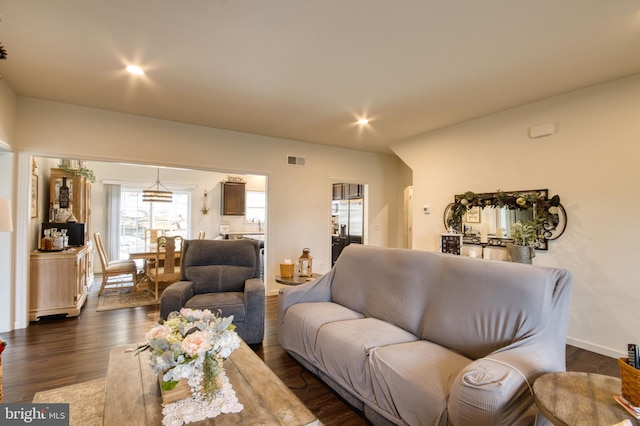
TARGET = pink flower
(195,343)
(158,332)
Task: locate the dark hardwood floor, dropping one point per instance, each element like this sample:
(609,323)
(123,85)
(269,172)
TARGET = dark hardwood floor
(62,351)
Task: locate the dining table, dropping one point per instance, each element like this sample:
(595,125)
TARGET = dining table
(147,253)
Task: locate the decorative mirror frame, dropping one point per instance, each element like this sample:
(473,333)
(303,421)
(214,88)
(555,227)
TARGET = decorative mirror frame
(548,214)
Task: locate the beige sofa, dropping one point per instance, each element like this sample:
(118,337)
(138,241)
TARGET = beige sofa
(420,338)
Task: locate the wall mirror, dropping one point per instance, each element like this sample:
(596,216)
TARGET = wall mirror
(487,218)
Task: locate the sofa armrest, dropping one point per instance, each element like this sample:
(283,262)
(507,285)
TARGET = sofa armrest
(314,291)
(175,296)
(497,389)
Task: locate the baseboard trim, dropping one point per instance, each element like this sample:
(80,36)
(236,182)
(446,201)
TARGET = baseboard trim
(599,349)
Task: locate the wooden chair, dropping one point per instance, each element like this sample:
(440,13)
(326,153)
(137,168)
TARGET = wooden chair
(201,235)
(114,268)
(165,266)
(151,236)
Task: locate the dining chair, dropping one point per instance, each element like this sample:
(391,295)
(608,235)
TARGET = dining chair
(151,235)
(114,268)
(164,267)
(201,235)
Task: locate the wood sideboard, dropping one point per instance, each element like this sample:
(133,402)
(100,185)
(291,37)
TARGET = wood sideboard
(59,282)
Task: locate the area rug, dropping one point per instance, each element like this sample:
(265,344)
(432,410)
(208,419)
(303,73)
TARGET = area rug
(123,297)
(86,401)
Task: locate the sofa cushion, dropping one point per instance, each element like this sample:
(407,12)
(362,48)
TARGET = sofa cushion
(299,331)
(413,380)
(343,347)
(389,284)
(230,303)
(489,304)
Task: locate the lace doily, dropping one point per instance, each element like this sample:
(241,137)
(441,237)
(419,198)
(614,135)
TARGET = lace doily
(199,408)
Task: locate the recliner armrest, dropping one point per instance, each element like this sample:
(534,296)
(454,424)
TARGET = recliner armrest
(174,297)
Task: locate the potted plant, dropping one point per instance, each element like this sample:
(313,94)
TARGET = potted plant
(524,235)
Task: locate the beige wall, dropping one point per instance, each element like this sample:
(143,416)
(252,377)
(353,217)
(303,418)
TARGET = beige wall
(8,110)
(592,162)
(298,197)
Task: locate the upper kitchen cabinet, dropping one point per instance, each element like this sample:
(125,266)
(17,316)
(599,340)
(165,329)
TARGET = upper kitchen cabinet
(233,199)
(345,191)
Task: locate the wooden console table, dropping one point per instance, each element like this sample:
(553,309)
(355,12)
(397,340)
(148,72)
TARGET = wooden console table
(133,392)
(580,399)
(59,282)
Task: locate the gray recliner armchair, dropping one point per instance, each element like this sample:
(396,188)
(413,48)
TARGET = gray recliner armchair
(225,275)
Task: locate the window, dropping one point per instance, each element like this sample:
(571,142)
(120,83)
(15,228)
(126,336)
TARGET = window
(136,216)
(255,206)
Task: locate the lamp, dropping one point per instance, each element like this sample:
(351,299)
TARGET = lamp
(5,215)
(155,194)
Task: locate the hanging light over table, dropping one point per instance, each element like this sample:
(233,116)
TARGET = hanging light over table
(157,195)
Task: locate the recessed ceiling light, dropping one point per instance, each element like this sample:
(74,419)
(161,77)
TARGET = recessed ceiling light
(135,70)
(363,121)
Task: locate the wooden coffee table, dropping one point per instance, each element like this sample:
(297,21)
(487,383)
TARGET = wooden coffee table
(580,399)
(133,392)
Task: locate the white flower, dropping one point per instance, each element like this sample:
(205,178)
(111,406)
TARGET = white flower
(553,210)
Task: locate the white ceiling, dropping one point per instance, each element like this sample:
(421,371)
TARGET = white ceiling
(306,69)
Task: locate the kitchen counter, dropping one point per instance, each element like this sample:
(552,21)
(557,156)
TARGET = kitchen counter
(235,234)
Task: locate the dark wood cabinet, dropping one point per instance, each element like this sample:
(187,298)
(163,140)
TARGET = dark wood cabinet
(233,199)
(346,191)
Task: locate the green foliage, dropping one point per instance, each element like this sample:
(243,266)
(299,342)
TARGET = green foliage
(525,234)
(545,210)
(82,171)
(169,385)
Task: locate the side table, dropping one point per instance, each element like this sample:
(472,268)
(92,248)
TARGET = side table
(296,280)
(584,399)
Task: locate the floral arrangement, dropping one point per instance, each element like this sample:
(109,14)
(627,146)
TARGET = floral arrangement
(3,344)
(191,344)
(546,210)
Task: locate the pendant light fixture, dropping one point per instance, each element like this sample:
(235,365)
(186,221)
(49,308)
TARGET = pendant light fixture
(154,194)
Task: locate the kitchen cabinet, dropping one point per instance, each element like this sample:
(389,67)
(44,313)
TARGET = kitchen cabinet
(233,199)
(346,191)
(79,196)
(59,282)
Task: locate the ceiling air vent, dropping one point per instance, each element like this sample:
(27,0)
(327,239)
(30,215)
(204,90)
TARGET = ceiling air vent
(295,161)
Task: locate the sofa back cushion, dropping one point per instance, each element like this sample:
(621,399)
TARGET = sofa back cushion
(472,306)
(482,306)
(219,265)
(383,283)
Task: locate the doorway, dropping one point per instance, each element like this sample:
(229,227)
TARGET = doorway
(348,216)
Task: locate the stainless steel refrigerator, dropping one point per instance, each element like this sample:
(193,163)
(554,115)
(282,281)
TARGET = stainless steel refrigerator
(350,225)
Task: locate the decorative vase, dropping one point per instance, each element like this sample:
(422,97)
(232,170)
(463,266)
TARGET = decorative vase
(521,254)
